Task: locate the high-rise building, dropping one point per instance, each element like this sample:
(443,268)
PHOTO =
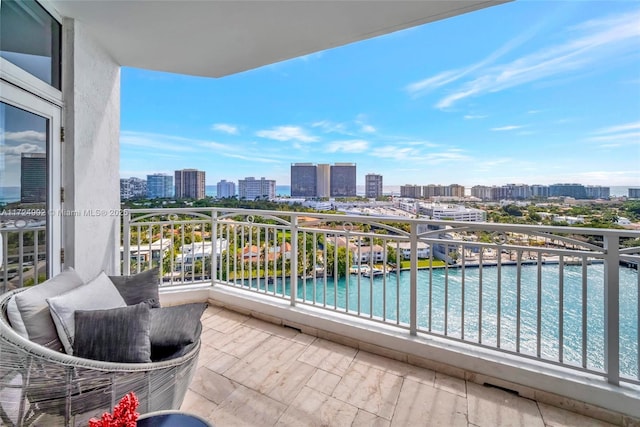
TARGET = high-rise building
(132,187)
(482,192)
(577,191)
(373,185)
(323,180)
(225,189)
(343,180)
(539,191)
(33,178)
(303,180)
(514,192)
(634,193)
(412,191)
(159,185)
(253,189)
(597,192)
(190,184)
(457,190)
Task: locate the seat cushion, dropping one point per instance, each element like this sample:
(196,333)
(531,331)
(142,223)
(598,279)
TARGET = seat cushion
(176,326)
(114,335)
(141,287)
(98,294)
(29,313)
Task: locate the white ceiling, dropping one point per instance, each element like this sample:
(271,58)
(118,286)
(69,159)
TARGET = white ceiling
(217,38)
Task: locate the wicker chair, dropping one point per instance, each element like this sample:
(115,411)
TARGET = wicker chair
(39,386)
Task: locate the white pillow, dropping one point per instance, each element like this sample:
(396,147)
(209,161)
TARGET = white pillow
(15,318)
(28,311)
(98,294)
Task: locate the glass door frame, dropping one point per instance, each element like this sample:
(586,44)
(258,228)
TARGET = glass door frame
(20,98)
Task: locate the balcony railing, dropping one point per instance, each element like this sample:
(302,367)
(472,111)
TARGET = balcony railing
(23,252)
(559,295)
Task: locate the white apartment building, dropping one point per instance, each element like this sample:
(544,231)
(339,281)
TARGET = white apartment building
(451,212)
(254,189)
(225,189)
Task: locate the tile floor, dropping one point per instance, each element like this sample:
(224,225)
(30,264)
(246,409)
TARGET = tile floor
(254,373)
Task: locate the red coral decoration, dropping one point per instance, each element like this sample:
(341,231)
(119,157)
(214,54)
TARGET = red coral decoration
(124,414)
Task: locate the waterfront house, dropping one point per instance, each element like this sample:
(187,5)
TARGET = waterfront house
(405,250)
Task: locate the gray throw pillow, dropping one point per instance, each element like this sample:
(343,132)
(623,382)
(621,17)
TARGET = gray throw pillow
(141,287)
(115,335)
(99,294)
(176,326)
(29,312)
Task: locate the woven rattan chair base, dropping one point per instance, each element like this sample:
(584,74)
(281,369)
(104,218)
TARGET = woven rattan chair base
(39,386)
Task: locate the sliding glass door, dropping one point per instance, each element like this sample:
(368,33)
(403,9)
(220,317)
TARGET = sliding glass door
(30,189)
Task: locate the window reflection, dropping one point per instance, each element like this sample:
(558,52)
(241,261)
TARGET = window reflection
(30,39)
(23,197)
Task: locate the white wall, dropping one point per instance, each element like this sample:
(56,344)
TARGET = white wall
(91,153)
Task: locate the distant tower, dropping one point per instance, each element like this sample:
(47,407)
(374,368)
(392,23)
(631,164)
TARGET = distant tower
(225,189)
(190,184)
(343,180)
(33,178)
(303,180)
(159,185)
(253,189)
(323,180)
(373,185)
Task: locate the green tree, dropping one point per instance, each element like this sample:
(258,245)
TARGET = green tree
(345,258)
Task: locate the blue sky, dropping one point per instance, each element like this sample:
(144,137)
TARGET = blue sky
(527,92)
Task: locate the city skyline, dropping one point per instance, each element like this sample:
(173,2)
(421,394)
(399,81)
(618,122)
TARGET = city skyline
(521,92)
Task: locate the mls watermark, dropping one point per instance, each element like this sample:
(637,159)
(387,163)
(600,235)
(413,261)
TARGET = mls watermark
(12,213)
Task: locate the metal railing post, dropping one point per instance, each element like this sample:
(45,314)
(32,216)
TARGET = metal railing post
(214,250)
(126,242)
(612,308)
(413,285)
(294,259)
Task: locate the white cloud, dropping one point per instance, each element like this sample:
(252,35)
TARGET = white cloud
(159,143)
(504,128)
(616,136)
(368,129)
(216,146)
(601,40)
(393,152)
(474,117)
(26,136)
(156,142)
(451,155)
(225,128)
(287,133)
(349,146)
(631,136)
(19,149)
(251,158)
(427,144)
(329,126)
(619,128)
(425,86)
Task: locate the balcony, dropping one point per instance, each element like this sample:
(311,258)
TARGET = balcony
(546,313)
(552,309)
(252,372)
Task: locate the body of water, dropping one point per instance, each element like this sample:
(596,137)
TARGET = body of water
(441,310)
